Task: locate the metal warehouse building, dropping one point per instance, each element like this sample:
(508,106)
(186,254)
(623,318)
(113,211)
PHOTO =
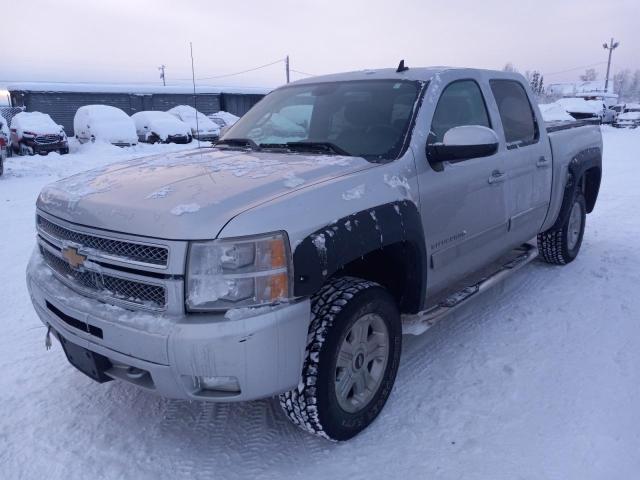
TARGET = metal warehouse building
(61,101)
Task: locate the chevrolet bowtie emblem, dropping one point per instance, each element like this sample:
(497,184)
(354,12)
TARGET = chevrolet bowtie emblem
(73,258)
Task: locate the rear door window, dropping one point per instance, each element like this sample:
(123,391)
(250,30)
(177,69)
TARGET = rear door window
(518,120)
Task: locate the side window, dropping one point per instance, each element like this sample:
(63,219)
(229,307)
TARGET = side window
(461,103)
(518,121)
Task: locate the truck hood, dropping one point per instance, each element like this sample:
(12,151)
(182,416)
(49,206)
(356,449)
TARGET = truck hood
(187,195)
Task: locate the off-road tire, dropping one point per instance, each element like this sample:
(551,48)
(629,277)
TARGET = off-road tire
(313,404)
(554,245)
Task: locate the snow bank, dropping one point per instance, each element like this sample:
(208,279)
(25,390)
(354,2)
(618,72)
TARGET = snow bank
(163,124)
(35,122)
(554,112)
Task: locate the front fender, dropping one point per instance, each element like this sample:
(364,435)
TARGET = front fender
(324,252)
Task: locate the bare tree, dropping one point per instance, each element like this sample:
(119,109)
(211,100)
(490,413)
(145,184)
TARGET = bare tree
(622,83)
(589,75)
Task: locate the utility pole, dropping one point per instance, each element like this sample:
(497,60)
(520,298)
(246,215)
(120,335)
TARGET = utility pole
(161,68)
(611,47)
(286,66)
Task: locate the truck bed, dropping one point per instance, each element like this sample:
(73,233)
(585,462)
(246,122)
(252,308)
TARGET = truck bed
(565,125)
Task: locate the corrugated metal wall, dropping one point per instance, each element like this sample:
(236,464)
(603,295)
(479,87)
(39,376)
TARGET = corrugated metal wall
(62,106)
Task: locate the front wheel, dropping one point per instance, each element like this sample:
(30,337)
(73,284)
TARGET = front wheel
(352,358)
(561,246)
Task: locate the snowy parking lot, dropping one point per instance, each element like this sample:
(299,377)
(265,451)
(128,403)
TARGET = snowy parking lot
(537,379)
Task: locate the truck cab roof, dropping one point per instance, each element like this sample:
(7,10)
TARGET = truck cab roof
(415,74)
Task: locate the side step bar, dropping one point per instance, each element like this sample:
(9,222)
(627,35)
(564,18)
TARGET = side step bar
(418,323)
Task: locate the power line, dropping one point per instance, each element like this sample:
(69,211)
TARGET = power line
(236,73)
(576,68)
(303,73)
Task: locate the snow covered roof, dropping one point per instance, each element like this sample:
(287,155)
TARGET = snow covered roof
(131,88)
(34,121)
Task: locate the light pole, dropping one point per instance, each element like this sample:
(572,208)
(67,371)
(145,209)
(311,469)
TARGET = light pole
(611,47)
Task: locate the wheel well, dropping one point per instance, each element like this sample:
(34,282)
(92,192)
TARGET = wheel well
(591,186)
(395,267)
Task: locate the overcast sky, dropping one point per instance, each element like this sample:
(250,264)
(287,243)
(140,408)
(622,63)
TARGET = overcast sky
(125,40)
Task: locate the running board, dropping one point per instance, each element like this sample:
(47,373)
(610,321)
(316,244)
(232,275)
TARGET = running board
(418,323)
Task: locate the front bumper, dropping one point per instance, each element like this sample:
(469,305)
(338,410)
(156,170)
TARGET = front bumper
(45,148)
(263,352)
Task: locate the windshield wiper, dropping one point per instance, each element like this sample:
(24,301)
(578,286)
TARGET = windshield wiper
(311,146)
(239,142)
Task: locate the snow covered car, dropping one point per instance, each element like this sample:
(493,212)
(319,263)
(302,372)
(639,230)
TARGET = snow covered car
(224,119)
(630,118)
(4,142)
(289,260)
(106,124)
(201,126)
(582,109)
(160,127)
(36,133)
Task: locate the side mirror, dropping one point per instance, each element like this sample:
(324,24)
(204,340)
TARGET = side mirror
(463,143)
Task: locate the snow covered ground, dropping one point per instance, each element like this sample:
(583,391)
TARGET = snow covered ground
(538,379)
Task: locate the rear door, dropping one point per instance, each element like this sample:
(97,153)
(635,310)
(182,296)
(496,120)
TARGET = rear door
(527,160)
(463,202)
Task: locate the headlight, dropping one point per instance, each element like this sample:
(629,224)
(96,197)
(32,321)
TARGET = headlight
(238,272)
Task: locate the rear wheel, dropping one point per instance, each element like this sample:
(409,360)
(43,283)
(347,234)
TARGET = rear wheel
(351,361)
(561,246)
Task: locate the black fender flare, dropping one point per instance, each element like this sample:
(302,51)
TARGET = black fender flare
(324,252)
(583,161)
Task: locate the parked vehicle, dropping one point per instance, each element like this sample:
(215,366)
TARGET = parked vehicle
(202,127)
(582,109)
(290,262)
(629,118)
(161,127)
(223,119)
(106,124)
(4,143)
(36,133)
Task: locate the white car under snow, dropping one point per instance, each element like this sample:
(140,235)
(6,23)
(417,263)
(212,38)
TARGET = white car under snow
(155,127)
(104,123)
(201,126)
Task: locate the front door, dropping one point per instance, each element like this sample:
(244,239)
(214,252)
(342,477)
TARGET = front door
(462,203)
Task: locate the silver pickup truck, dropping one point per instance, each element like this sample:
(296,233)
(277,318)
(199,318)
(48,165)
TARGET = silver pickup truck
(338,213)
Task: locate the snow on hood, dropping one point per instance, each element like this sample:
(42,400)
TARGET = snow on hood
(580,105)
(36,122)
(162,124)
(188,114)
(106,123)
(554,112)
(186,195)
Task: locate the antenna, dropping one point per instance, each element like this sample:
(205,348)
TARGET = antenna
(195,104)
(401,68)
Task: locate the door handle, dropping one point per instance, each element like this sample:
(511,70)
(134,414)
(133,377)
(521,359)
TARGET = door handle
(542,162)
(497,176)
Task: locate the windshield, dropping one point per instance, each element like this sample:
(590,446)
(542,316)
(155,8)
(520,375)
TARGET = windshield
(369,119)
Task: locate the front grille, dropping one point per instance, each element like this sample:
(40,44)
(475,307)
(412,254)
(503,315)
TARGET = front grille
(44,139)
(129,291)
(118,248)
